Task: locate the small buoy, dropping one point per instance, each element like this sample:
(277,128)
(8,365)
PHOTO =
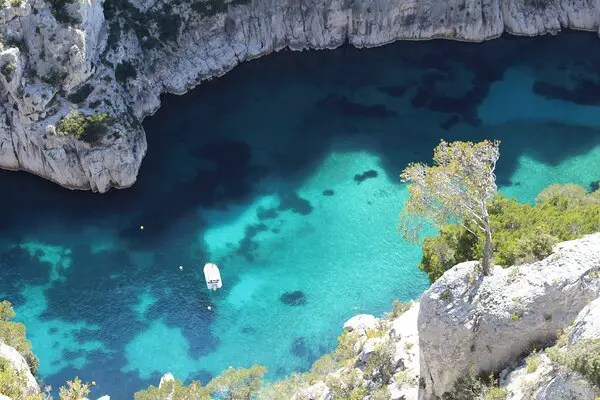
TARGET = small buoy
(209,308)
(141,227)
(181,267)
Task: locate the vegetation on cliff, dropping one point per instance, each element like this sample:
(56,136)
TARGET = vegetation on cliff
(523,232)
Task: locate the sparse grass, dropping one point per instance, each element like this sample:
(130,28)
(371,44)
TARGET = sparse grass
(496,393)
(408,345)
(516,316)
(446,295)
(532,362)
(398,308)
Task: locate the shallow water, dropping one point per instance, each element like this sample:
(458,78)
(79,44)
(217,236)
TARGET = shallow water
(268,172)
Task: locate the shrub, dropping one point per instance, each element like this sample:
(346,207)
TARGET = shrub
(496,393)
(175,390)
(15,3)
(532,362)
(14,334)
(14,384)
(344,351)
(582,357)
(522,232)
(90,128)
(346,384)
(242,383)
(398,308)
(380,367)
(75,390)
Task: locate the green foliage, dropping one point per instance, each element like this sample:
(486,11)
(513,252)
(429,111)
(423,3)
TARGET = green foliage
(346,385)
(398,308)
(467,387)
(14,384)
(522,232)
(446,295)
(496,393)
(124,71)
(168,25)
(238,384)
(87,128)
(175,390)
(75,390)
(532,362)
(344,351)
(284,389)
(383,393)
(6,311)
(380,366)
(582,357)
(15,3)
(454,189)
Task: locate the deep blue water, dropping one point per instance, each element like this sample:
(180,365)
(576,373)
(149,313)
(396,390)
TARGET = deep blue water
(285,173)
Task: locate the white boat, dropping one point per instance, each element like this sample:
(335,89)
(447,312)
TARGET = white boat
(212,275)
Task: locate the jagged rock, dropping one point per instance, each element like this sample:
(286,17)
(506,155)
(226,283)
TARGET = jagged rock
(19,363)
(105,397)
(361,323)
(405,334)
(587,323)
(466,321)
(70,55)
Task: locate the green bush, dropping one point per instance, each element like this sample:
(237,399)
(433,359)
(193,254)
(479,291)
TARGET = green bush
(87,128)
(14,334)
(175,390)
(398,308)
(522,232)
(532,362)
(496,393)
(75,390)
(582,357)
(380,367)
(14,384)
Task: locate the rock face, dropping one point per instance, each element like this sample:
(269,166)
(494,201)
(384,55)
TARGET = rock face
(19,364)
(469,321)
(117,58)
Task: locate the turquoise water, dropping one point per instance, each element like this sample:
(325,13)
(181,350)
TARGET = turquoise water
(285,173)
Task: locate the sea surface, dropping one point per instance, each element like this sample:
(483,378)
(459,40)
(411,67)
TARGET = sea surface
(285,172)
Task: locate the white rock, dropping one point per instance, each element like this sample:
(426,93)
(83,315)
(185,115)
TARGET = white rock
(209,47)
(105,397)
(465,321)
(587,323)
(19,363)
(168,377)
(317,391)
(361,323)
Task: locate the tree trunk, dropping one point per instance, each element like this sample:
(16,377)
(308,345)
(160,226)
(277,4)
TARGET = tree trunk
(487,248)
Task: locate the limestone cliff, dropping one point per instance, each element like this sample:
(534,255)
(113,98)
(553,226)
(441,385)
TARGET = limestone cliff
(113,58)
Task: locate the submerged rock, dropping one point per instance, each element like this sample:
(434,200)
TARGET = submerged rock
(296,298)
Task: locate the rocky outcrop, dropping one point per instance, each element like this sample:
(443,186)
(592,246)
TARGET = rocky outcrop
(117,58)
(467,320)
(547,380)
(19,364)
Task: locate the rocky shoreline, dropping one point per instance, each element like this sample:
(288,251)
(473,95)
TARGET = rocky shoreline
(115,58)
